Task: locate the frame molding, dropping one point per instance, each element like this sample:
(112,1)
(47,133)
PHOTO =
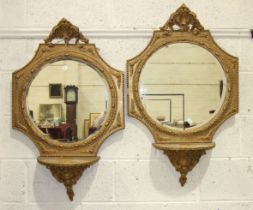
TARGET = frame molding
(184,148)
(67,161)
(38,33)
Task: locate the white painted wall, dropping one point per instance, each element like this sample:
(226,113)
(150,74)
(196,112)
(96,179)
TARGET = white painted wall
(131,174)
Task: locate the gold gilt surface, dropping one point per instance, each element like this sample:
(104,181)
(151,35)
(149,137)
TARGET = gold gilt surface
(183,27)
(48,53)
(63,158)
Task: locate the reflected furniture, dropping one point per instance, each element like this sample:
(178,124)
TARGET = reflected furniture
(55,90)
(63,131)
(71,100)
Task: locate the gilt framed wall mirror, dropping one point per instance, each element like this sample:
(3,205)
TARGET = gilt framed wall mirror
(68,100)
(183,86)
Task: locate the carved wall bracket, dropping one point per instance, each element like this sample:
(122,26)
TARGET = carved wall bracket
(184,160)
(66,172)
(68,176)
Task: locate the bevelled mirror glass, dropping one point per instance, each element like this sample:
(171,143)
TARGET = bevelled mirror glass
(67,100)
(70,106)
(183,86)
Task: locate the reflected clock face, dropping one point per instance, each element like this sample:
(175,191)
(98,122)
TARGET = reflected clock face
(79,80)
(71,96)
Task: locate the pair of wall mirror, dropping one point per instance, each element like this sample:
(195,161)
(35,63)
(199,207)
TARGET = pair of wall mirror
(68,100)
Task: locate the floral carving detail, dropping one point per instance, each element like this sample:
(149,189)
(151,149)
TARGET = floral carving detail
(68,175)
(66,31)
(184,19)
(184,161)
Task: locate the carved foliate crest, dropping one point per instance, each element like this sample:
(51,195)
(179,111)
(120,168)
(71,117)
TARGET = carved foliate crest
(66,30)
(184,19)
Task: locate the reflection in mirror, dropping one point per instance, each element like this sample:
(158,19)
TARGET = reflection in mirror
(182,85)
(68,100)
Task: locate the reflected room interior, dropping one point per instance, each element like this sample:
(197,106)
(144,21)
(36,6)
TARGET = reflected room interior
(182,85)
(68,100)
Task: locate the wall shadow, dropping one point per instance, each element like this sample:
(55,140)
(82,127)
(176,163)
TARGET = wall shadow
(46,189)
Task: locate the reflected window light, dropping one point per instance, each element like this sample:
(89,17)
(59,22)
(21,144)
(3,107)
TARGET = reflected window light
(64,67)
(143,90)
(107,95)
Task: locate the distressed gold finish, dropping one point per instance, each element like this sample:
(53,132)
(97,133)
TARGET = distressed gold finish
(66,31)
(67,161)
(184,161)
(184,19)
(67,175)
(67,170)
(183,147)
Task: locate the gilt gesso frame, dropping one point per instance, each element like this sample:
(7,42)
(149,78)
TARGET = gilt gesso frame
(183,147)
(67,161)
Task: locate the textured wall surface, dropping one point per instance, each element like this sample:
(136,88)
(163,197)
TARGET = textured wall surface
(131,174)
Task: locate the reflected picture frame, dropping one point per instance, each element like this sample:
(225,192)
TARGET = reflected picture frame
(47,112)
(86,127)
(93,117)
(55,90)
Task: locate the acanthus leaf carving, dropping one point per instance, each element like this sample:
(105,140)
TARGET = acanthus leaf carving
(184,19)
(66,30)
(184,161)
(68,176)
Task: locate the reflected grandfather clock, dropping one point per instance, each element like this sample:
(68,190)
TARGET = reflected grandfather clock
(71,100)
